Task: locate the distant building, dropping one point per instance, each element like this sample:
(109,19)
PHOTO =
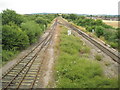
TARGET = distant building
(105,18)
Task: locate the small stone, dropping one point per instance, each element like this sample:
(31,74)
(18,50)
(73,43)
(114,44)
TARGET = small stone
(99,51)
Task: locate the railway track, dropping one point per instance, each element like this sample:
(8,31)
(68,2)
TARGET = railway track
(25,73)
(114,55)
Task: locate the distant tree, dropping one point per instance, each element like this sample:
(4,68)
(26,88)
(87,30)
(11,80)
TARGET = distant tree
(98,22)
(82,17)
(107,34)
(73,16)
(41,20)
(11,16)
(99,30)
(90,28)
(66,16)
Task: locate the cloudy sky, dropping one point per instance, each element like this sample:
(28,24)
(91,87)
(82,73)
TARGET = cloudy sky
(61,6)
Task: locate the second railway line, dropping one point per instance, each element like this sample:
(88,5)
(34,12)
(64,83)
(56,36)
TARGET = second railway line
(114,55)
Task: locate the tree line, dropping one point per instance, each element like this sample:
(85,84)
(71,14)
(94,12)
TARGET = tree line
(20,31)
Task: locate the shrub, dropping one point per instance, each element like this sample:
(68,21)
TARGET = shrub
(114,45)
(99,31)
(107,63)
(13,38)
(11,16)
(85,50)
(40,20)
(98,57)
(6,55)
(32,29)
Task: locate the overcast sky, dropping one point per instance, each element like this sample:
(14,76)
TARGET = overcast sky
(61,6)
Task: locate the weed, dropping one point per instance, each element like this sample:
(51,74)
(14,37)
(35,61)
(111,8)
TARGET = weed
(98,57)
(8,55)
(85,50)
(107,63)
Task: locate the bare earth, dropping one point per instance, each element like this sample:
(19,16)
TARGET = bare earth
(47,77)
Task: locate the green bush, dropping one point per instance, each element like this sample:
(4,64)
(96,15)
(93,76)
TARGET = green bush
(13,38)
(6,55)
(89,28)
(98,57)
(11,16)
(114,45)
(40,20)
(98,22)
(99,31)
(32,29)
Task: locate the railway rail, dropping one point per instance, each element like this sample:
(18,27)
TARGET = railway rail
(114,55)
(24,74)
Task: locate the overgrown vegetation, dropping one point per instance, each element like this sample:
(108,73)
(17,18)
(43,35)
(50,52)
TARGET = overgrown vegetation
(20,31)
(101,29)
(74,69)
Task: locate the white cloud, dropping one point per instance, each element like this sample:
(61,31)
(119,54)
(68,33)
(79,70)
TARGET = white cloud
(61,6)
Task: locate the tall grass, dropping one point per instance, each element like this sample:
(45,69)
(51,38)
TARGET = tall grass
(8,55)
(74,70)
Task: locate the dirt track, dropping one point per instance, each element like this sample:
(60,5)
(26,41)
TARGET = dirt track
(47,77)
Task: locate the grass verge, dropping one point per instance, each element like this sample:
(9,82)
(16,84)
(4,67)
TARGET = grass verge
(74,69)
